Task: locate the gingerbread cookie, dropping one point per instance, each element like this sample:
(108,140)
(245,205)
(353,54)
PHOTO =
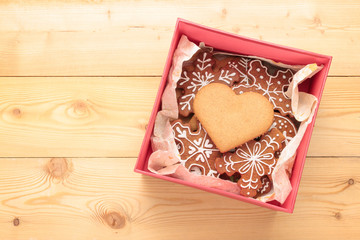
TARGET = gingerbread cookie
(272,87)
(201,70)
(286,126)
(197,151)
(265,188)
(230,119)
(252,160)
(239,66)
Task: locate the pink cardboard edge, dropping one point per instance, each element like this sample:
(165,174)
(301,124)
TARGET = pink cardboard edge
(144,153)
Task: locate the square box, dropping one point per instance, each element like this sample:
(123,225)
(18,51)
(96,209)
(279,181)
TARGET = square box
(232,43)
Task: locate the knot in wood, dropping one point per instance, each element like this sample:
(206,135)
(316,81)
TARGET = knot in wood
(351,181)
(115,220)
(338,215)
(16,222)
(58,167)
(16,112)
(80,107)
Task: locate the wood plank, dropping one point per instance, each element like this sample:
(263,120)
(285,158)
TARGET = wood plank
(74,116)
(337,126)
(106,116)
(84,38)
(42,198)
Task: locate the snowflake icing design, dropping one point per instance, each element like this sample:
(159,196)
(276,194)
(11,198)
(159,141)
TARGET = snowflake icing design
(192,84)
(226,76)
(195,148)
(200,81)
(197,74)
(242,62)
(204,62)
(272,87)
(252,160)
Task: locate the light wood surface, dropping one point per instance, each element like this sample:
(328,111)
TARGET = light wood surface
(78,80)
(101,198)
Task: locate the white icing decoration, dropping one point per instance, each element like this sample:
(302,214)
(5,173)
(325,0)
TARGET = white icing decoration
(204,63)
(201,149)
(264,187)
(191,150)
(280,100)
(187,104)
(225,76)
(292,128)
(200,81)
(258,69)
(253,160)
(287,138)
(184,79)
(261,77)
(287,105)
(199,78)
(278,82)
(243,76)
(272,94)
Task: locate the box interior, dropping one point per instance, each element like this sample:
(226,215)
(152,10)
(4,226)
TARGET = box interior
(242,45)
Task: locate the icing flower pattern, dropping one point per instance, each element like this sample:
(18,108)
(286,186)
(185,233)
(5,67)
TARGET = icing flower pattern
(197,151)
(252,160)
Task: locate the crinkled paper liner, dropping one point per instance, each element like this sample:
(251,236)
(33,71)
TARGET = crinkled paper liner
(165,159)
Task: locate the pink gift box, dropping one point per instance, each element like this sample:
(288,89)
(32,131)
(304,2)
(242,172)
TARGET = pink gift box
(232,43)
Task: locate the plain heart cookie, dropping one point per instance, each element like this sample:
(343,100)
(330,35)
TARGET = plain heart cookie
(230,119)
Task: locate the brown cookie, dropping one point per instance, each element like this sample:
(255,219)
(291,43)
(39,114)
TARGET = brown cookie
(252,160)
(287,127)
(197,151)
(272,87)
(201,70)
(231,120)
(240,67)
(265,188)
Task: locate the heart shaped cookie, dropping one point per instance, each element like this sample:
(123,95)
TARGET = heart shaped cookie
(231,119)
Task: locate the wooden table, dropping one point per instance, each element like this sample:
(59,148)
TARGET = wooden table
(78,82)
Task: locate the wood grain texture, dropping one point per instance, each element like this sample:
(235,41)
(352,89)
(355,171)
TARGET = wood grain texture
(93,37)
(74,116)
(101,198)
(78,79)
(106,117)
(337,125)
